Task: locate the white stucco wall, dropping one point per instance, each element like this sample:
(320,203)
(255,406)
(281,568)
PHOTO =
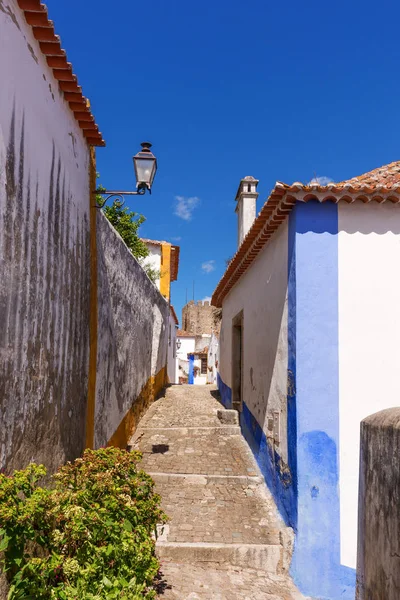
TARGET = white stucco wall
(213,359)
(199,379)
(369,334)
(261,293)
(44,257)
(153,260)
(187,346)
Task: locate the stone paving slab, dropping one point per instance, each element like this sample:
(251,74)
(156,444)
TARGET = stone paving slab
(225,539)
(222,582)
(206,451)
(184,405)
(223,510)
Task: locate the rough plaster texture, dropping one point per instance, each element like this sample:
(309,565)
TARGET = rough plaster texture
(171,359)
(369,353)
(132,331)
(261,294)
(378,565)
(200,318)
(44,258)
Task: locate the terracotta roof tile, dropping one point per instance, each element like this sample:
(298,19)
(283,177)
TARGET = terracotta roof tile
(379,185)
(50,45)
(181,333)
(174,262)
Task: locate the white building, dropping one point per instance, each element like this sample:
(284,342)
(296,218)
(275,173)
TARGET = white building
(309,347)
(213,359)
(163,259)
(192,352)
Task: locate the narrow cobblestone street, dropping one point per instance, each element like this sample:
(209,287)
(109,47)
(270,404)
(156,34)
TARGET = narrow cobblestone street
(225,539)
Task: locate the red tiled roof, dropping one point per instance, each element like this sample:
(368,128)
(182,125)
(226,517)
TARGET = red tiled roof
(181,333)
(174,262)
(379,185)
(173,313)
(50,45)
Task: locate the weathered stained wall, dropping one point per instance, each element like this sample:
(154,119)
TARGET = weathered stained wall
(261,293)
(378,564)
(171,355)
(132,339)
(44,258)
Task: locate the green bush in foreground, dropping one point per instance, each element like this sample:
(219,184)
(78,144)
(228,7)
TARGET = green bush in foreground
(88,538)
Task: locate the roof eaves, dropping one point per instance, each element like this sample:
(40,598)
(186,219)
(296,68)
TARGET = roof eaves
(50,45)
(274,212)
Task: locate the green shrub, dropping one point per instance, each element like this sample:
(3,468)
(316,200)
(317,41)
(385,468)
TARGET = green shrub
(87,538)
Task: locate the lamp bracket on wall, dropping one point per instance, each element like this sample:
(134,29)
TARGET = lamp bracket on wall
(118,196)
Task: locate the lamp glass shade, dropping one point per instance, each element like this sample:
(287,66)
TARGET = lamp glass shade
(145,164)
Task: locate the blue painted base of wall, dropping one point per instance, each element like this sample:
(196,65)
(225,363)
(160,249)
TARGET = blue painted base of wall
(315,567)
(225,391)
(276,474)
(277,477)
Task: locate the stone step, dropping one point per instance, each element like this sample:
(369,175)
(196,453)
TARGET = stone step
(183,407)
(213,581)
(228,510)
(266,557)
(214,451)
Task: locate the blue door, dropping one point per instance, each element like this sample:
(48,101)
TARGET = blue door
(191,368)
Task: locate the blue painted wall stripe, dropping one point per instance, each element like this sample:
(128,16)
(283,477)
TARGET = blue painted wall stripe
(225,391)
(313,339)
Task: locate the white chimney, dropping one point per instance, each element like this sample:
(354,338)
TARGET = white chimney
(246,199)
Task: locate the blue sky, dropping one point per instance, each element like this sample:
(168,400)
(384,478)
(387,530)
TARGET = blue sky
(225,89)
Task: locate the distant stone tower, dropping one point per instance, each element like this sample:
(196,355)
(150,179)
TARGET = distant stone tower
(200,318)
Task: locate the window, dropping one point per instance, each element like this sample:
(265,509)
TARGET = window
(204,366)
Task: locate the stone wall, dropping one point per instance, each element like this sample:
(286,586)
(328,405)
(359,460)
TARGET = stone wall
(132,339)
(44,257)
(378,561)
(200,318)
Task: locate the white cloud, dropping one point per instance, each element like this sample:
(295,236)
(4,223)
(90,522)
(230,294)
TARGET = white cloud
(176,239)
(321,180)
(207,299)
(184,207)
(208,266)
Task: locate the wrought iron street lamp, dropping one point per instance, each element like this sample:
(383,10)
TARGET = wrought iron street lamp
(145,165)
(178,344)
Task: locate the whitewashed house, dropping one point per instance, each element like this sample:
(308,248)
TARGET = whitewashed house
(309,346)
(192,353)
(213,359)
(163,260)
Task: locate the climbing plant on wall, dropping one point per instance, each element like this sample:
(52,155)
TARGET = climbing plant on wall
(127,223)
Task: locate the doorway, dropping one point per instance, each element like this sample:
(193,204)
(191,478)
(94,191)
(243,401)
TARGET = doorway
(237,362)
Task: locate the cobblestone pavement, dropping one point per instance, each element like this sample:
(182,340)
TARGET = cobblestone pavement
(224,539)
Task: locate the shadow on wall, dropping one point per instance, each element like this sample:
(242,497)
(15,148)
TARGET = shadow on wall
(132,339)
(44,307)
